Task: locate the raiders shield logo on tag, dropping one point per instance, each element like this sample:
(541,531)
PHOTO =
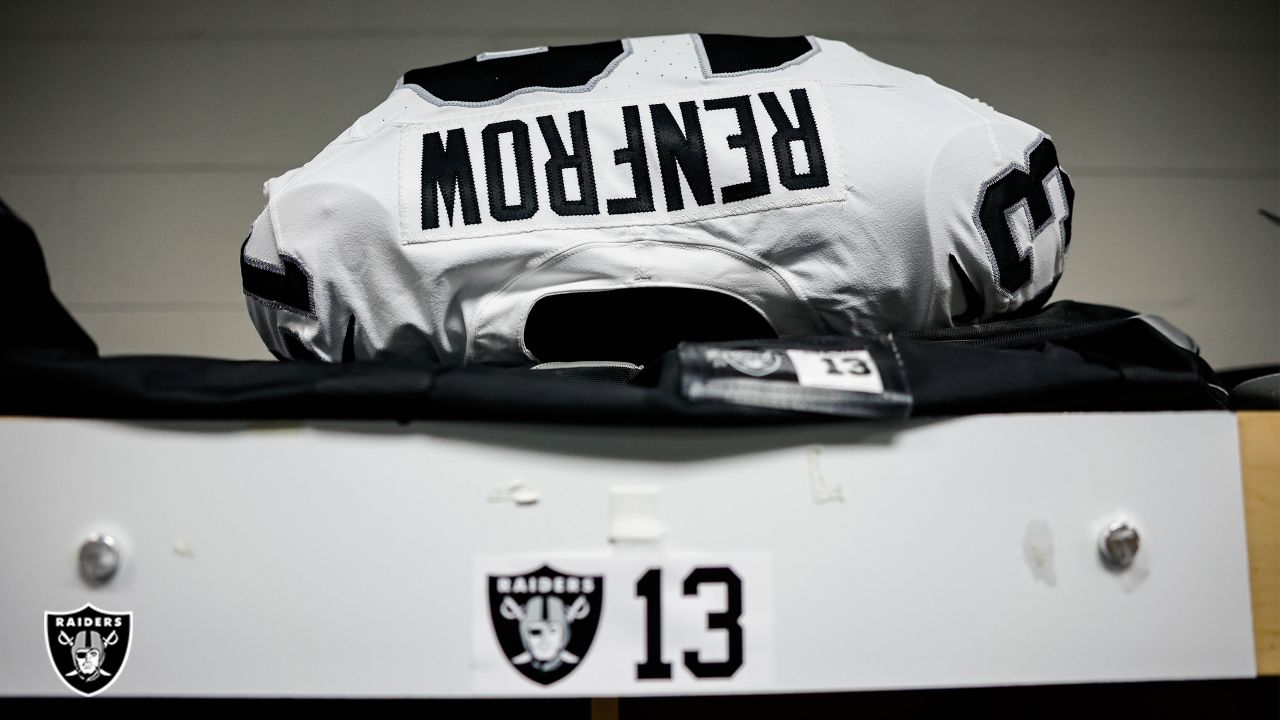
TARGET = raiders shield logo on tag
(756,363)
(88,647)
(545,620)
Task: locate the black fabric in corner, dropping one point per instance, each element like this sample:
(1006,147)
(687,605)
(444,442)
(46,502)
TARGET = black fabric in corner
(34,317)
(51,383)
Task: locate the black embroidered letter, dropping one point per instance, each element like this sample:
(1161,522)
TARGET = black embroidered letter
(748,138)
(579,161)
(527,205)
(635,156)
(806,131)
(683,149)
(443,171)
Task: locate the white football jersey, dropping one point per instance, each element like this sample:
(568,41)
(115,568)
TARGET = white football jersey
(829,192)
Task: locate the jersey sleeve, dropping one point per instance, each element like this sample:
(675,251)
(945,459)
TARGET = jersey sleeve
(279,294)
(999,207)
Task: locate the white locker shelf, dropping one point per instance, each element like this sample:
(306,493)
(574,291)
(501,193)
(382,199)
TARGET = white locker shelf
(350,559)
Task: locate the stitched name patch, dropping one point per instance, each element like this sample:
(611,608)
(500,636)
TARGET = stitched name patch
(619,163)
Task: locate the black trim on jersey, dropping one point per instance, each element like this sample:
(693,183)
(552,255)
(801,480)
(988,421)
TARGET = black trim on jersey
(481,81)
(527,205)
(1013,188)
(289,287)
(295,349)
(579,161)
(734,54)
(446,167)
(349,341)
(974,305)
(684,149)
(637,157)
(806,131)
(1071,202)
(748,139)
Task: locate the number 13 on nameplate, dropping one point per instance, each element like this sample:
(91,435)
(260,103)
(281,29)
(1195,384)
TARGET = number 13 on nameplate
(622,624)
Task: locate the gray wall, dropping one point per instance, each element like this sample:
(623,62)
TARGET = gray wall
(135,136)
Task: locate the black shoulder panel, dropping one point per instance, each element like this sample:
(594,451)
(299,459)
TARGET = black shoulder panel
(480,81)
(732,54)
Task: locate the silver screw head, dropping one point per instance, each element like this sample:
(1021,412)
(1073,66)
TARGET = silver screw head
(99,559)
(1119,544)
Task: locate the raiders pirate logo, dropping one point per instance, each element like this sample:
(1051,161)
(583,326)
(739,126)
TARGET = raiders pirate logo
(756,363)
(88,647)
(545,620)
